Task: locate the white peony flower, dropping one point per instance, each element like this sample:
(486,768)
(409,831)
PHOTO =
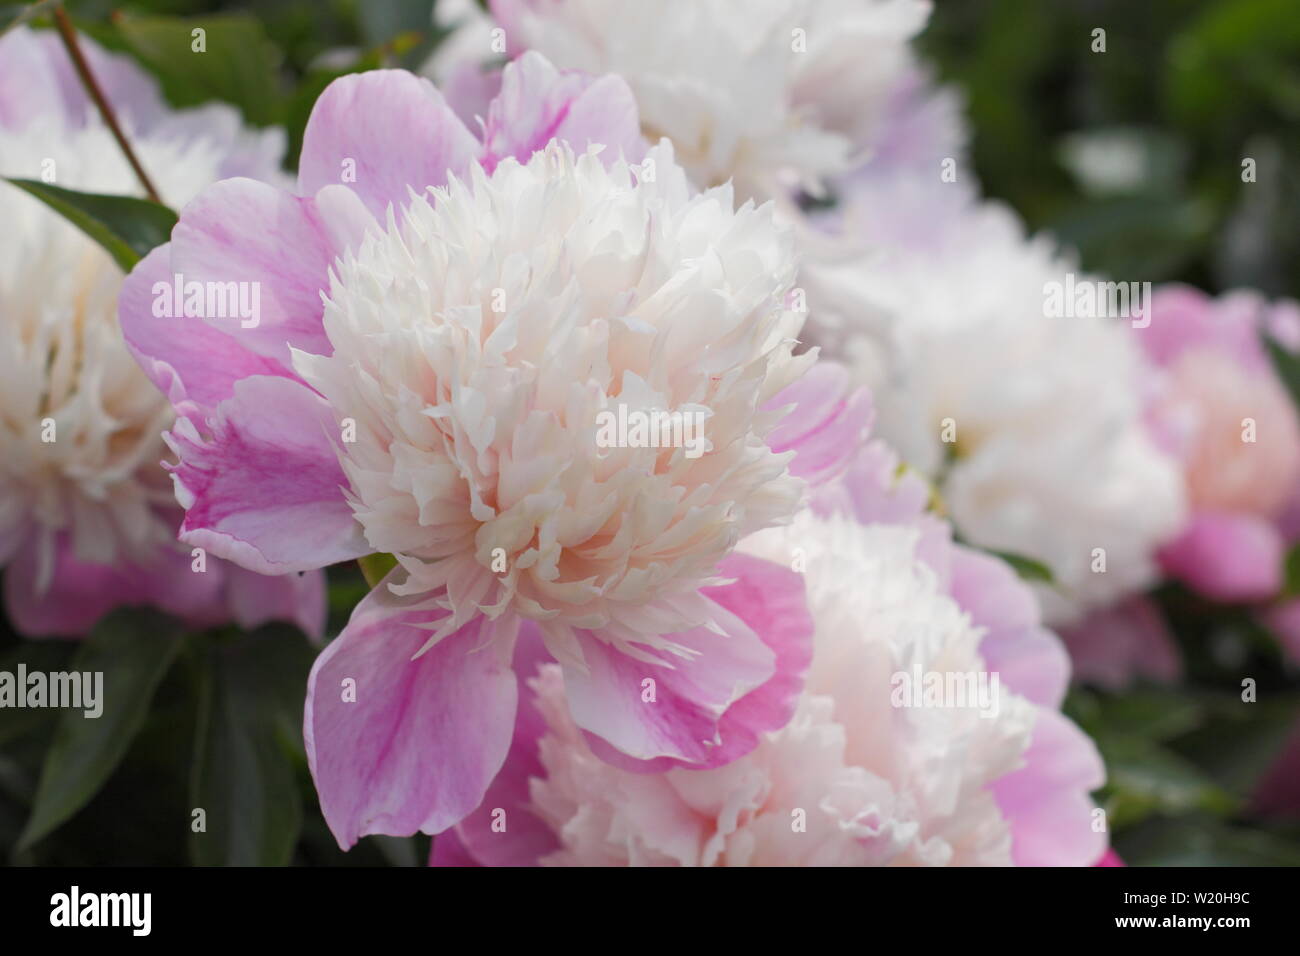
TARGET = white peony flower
(80,424)
(853,780)
(769,93)
(1049,457)
(476,342)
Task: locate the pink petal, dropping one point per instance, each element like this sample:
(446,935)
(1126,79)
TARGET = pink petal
(423,739)
(80,593)
(1277,794)
(1114,646)
(186,358)
(708,711)
(254,599)
(132,91)
(828,425)
(469,88)
(526,838)
(1046,801)
(448,850)
(1110,858)
(266,490)
(872,490)
(539,103)
(1183,317)
(29,86)
(397,130)
(1284,621)
(1030,659)
(244,231)
(1227,557)
(770,599)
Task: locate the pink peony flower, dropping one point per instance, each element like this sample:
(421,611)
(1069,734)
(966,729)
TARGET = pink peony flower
(445,321)
(851,780)
(1130,639)
(87,521)
(1222,408)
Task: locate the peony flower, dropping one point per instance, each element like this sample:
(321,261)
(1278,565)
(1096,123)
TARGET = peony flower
(1237,436)
(1046,453)
(87,518)
(854,779)
(783,94)
(446,323)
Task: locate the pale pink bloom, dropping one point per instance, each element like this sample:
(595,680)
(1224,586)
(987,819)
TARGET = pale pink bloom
(1229,419)
(87,518)
(781,94)
(1030,426)
(851,780)
(444,319)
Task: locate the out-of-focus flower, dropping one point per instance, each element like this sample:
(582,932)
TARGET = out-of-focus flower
(87,518)
(1113,645)
(1235,430)
(782,94)
(431,377)
(1030,426)
(856,778)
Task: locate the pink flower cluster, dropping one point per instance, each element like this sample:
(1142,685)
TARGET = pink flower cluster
(666,584)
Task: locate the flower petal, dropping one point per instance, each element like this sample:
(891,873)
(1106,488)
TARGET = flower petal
(709,710)
(1227,557)
(828,425)
(396,130)
(770,599)
(539,103)
(279,246)
(254,599)
(448,850)
(187,359)
(1046,800)
(424,737)
(503,831)
(80,593)
(266,490)
(1117,644)
(1031,660)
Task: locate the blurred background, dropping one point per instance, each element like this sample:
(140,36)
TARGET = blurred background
(1133,157)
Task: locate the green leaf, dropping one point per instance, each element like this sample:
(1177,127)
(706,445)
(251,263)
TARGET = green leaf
(238,63)
(1287,366)
(19,722)
(1198,841)
(14,15)
(1144,779)
(126,227)
(249,727)
(1291,574)
(375,566)
(1029,569)
(133,649)
(403,28)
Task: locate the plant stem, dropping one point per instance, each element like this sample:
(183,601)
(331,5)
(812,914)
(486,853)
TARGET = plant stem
(69,36)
